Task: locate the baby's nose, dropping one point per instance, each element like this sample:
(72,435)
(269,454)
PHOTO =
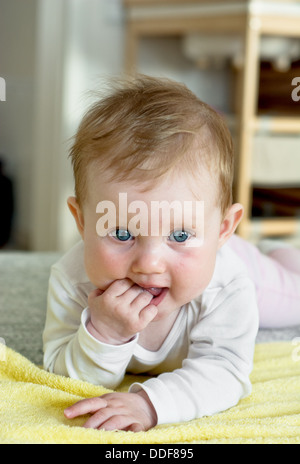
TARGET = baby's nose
(149,260)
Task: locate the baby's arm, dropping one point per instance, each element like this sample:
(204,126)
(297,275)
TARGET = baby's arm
(71,350)
(213,377)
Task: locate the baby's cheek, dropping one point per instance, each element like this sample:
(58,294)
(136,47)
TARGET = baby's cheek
(193,272)
(102,268)
(185,273)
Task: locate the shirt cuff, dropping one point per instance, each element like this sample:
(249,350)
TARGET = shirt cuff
(161,399)
(98,348)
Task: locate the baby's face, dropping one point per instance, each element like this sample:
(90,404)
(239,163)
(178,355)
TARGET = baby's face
(171,253)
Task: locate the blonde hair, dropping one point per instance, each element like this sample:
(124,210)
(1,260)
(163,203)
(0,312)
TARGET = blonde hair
(144,127)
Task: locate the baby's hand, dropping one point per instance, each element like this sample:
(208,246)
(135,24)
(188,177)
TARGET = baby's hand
(116,411)
(120,312)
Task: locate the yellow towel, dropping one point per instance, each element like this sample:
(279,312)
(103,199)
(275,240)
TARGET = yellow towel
(32,403)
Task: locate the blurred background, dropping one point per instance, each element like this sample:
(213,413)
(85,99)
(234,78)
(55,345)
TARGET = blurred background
(53,52)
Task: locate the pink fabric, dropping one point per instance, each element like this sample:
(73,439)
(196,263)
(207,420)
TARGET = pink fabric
(277,280)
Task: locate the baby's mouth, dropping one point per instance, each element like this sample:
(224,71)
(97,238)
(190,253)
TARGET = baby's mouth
(158,294)
(155,291)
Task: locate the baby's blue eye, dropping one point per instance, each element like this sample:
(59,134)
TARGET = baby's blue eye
(179,236)
(122,234)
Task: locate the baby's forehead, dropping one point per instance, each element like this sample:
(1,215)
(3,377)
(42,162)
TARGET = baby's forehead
(193,184)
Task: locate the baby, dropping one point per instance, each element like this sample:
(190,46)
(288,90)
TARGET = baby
(159,283)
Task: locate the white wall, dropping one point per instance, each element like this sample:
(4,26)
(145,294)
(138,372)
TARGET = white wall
(52,53)
(17,58)
(93,51)
(85,38)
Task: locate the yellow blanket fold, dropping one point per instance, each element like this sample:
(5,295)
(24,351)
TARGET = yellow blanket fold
(32,403)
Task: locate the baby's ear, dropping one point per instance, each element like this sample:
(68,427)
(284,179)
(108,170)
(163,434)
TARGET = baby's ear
(230,222)
(77,214)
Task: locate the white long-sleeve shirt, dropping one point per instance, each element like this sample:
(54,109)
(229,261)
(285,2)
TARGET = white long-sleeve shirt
(202,367)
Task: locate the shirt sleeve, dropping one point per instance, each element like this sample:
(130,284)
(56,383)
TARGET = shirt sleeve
(215,374)
(69,348)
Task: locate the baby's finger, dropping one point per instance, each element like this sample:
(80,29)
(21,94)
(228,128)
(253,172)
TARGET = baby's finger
(88,406)
(147,315)
(99,418)
(95,293)
(119,287)
(121,422)
(138,297)
(135,427)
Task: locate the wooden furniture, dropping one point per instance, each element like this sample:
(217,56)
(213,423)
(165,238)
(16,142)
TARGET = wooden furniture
(251,19)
